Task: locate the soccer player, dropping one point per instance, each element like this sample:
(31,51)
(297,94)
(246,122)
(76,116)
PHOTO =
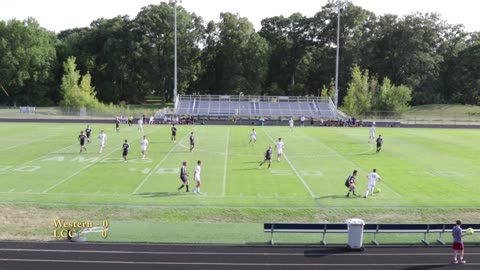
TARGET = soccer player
(117,125)
(373,178)
(152,119)
(174,133)
(125,148)
(196,175)
(88,131)
(253,136)
(140,125)
(290,124)
(82,139)
(379,143)
(183,176)
(102,137)
(268,157)
(192,142)
(279,147)
(458,249)
(143,146)
(302,121)
(350,183)
(372,134)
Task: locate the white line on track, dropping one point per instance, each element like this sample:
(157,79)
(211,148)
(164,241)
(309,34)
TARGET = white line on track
(224,185)
(157,166)
(294,169)
(355,265)
(302,254)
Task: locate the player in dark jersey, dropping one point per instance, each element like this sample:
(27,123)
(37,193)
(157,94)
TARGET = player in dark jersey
(117,125)
(268,157)
(82,139)
(379,143)
(125,148)
(350,183)
(192,142)
(183,176)
(174,133)
(88,130)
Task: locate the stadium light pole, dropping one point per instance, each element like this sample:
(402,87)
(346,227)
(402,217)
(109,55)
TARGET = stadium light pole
(340,5)
(175,2)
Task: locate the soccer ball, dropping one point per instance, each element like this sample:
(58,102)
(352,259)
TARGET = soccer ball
(470,231)
(378,190)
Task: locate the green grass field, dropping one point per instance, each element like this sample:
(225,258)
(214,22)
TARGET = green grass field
(428,175)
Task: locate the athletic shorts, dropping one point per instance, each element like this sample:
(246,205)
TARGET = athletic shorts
(457,246)
(184,179)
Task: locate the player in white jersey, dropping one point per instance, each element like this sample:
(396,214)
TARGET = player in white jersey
(140,125)
(196,175)
(290,123)
(253,136)
(373,178)
(279,147)
(102,137)
(143,146)
(372,134)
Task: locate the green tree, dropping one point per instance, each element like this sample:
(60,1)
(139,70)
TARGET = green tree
(358,98)
(391,98)
(27,58)
(235,57)
(77,90)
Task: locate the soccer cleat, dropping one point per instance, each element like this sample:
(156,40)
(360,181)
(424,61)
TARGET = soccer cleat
(462,262)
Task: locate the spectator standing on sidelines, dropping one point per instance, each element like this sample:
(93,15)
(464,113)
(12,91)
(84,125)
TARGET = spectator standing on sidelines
(458,248)
(302,121)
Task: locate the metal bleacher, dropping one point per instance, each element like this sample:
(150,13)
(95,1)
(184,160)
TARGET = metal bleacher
(265,106)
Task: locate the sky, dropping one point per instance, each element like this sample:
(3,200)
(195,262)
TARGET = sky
(58,15)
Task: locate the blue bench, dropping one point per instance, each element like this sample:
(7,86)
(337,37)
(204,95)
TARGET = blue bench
(325,228)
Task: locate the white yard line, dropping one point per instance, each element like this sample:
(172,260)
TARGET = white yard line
(224,186)
(77,172)
(40,157)
(157,166)
(29,142)
(294,169)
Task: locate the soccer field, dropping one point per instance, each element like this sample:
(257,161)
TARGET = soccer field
(428,175)
(41,163)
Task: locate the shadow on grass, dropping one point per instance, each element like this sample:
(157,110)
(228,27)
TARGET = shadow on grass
(338,197)
(161,194)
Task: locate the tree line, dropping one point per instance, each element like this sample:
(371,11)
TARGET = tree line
(419,57)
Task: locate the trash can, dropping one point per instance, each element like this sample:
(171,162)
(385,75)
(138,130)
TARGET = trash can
(355,233)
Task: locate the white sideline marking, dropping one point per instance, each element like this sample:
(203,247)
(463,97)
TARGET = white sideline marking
(224,185)
(77,172)
(294,169)
(157,166)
